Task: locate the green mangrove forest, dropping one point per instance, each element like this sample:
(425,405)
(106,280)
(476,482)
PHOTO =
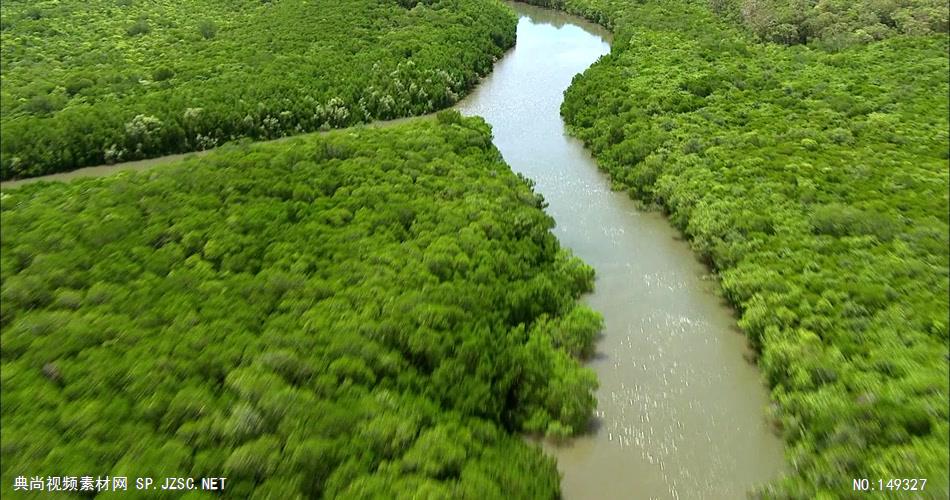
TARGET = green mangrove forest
(104,81)
(386,312)
(363,314)
(813,177)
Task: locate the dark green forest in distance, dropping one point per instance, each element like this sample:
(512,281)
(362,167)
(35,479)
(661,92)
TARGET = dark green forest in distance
(361,314)
(835,24)
(812,175)
(102,81)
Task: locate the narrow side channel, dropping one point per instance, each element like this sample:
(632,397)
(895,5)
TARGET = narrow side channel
(681,413)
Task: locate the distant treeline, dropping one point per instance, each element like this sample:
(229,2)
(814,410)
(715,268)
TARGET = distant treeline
(375,313)
(835,24)
(813,177)
(100,81)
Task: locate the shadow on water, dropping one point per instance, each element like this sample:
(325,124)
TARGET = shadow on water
(548,17)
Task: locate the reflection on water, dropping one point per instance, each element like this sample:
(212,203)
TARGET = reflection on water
(680,411)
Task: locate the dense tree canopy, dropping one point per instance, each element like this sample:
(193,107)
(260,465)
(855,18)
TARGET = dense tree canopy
(376,312)
(815,181)
(97,81)
(835,24)
(361,314)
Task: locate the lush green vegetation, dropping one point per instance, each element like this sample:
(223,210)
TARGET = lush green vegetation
(835,24)
(815,182)
(370,313)
(98,81)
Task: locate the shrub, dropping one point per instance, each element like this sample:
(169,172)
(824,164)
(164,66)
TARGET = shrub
(76,85)
(448,116)
(43,105)
(207,29)
(33,13)
(163,73)
(139,28)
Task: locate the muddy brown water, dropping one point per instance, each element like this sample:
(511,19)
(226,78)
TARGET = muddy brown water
(680,412)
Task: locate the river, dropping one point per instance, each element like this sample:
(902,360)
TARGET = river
(681,413)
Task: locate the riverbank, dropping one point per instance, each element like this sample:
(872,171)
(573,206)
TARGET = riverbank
(680,412)
(359,314)
(141,165)
(813,180)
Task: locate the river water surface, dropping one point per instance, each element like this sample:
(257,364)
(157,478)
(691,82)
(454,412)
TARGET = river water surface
(680,412)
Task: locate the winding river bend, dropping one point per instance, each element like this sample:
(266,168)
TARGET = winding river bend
(680,411)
